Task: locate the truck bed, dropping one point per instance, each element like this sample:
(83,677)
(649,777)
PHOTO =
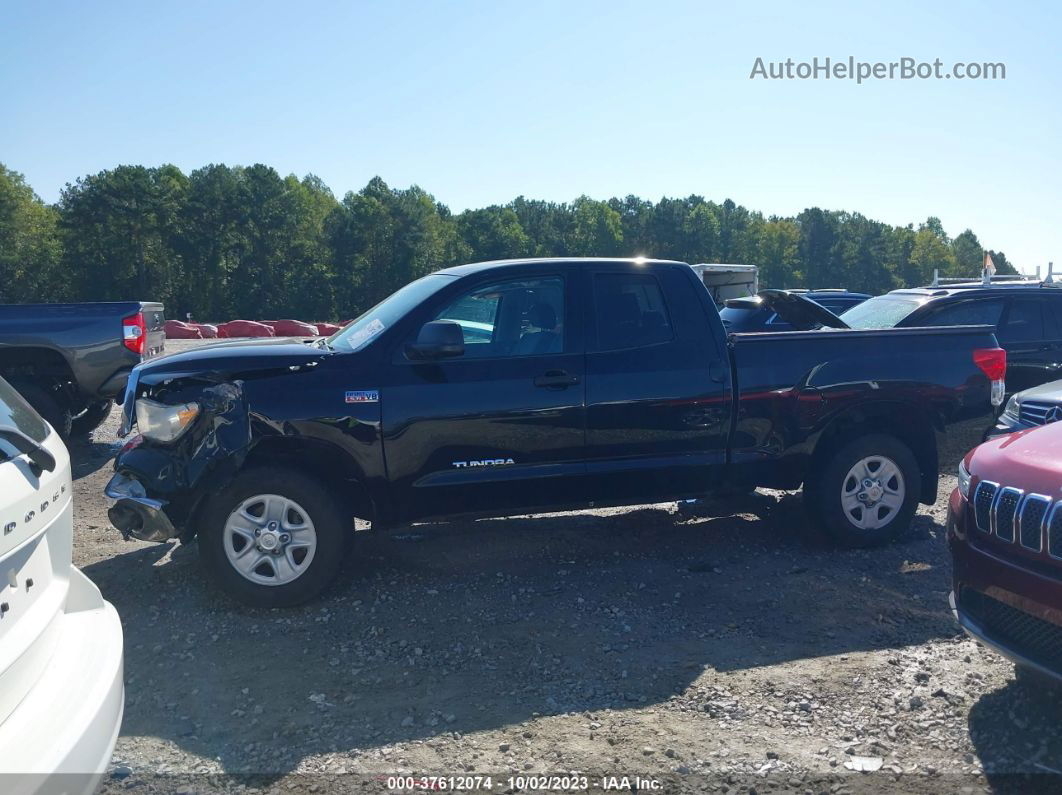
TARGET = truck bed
(792,384)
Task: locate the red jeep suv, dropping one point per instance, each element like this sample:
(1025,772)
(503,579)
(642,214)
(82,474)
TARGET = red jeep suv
(1005,534)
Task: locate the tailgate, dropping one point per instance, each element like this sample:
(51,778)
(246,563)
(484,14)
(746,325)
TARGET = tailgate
(154,321)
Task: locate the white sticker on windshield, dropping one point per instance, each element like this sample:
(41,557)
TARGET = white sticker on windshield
(362,335)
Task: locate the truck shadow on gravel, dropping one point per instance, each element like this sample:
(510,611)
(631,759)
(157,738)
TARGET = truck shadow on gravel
(1015,734)
(471,626)
(88,455)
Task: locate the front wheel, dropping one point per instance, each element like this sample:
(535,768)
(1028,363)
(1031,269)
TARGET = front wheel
(866,492)
(273,537)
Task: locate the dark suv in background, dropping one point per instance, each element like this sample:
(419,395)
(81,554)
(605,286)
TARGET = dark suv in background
(750,314)
(1027,316)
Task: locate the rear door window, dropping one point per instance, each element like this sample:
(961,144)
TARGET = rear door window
(986,312)
(1053,318)
(630,311)
(1024,321)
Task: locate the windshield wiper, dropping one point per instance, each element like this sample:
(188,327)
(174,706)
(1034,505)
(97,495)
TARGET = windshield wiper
(24,444)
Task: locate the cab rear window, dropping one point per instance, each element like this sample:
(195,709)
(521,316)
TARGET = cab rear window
(17,413)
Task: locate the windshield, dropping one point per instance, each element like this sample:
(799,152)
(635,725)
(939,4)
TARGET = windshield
(360,332)
(16,413)
(884,311)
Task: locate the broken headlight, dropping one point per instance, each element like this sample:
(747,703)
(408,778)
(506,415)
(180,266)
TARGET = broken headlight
(163,423)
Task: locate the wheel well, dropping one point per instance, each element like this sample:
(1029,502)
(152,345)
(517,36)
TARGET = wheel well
(320,460)
(36,363)
(908,424)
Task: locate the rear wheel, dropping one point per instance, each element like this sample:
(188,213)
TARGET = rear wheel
(866,492)
(49,403)
(273,537)
(91,418)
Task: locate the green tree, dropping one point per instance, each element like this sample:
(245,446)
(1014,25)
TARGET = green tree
(29,244)
(931,252)
(120,230)
(493,233)
(779,254)
(596,229)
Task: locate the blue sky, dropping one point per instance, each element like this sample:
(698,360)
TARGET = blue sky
(479,102)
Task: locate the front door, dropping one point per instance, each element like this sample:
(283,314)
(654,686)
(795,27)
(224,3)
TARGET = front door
(500,428)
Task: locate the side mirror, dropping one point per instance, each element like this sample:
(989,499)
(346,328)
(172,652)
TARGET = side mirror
(439,339)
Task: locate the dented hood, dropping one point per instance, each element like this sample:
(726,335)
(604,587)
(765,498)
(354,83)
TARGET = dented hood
(224,361)
(798,311)
(232,360)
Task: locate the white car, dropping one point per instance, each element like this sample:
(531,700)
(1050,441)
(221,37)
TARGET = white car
(61,686)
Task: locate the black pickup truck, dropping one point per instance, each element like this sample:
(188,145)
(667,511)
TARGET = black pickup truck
(507,387)
(70,361)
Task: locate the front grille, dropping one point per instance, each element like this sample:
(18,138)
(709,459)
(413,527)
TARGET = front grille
(984,499)
(1006,508)
(1034,412)
(1031,521)
(1032,637)
(1054,531)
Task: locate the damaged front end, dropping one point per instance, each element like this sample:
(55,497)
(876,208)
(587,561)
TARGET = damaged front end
(135,514)
(158,485)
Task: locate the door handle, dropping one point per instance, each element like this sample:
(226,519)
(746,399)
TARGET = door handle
(556,379)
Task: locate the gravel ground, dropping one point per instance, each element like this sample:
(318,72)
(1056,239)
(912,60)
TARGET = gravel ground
(717,647)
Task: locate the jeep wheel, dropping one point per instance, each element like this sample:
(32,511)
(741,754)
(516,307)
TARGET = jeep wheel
(273,538)
(867,491)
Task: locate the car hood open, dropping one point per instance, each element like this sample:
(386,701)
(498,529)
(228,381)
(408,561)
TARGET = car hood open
(798,311)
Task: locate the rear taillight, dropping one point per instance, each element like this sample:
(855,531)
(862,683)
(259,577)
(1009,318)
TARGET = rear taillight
(134,333)
(993,363)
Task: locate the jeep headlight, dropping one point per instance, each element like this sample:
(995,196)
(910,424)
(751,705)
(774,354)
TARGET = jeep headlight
(164,423)
(964,480)
(1013,410)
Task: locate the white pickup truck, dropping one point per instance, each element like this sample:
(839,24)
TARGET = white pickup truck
(61,685)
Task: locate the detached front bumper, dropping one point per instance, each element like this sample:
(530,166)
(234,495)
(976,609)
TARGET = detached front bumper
(134,513)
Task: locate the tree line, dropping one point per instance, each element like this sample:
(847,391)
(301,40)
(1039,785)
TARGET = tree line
(233,241)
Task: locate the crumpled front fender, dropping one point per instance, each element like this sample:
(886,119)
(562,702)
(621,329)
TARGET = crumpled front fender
(180,474)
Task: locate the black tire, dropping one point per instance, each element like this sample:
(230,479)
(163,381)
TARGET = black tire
(333,527)
(49,403)
(823,492)
(91,418)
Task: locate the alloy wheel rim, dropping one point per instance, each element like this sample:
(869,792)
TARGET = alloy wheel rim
(270,539)
(872,492)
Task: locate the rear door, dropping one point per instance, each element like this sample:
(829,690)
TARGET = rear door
(657,386)
(1053,332)
(500,428)
(1030,355)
